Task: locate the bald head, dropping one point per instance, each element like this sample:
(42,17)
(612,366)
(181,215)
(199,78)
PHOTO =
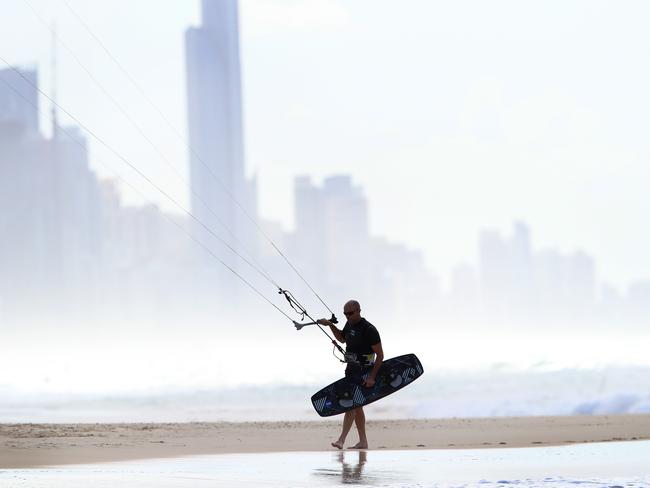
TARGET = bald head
(352,311)
(352,304)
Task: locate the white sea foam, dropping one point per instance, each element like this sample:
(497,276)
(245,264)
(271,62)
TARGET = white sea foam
(436,395)
(202,376)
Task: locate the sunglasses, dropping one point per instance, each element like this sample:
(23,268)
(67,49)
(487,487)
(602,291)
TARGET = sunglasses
(349,313)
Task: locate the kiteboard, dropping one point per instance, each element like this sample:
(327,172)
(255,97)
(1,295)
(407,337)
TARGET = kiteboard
(346,394)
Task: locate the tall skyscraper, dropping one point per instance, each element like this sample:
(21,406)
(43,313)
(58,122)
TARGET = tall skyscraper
(18,102)
(49,207)
(495,270)
(26,220)
(215,116)
(332,230)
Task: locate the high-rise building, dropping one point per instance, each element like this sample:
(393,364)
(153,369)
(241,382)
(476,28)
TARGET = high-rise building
(220,189)
(215,117)
(311,226)
(26,219)
(77,205)
(521,272)
(18,102)
(581,280)
(49,206)
(332,223)
(494,270)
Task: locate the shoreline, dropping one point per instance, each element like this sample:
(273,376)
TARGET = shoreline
(36,445)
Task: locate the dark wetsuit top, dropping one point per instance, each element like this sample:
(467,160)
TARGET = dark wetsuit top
(359,339)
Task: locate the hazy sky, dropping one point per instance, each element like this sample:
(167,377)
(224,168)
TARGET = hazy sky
(452,115)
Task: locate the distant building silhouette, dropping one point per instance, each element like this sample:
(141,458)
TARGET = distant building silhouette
(310,226)
(333,243)
(638,309)
(332,229)
(51,245)
(521,269)
(26,207)
(495,272)
(18,103)
(215,117)
(216,140)
(521,286)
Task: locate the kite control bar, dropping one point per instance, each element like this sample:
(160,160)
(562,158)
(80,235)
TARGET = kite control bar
(295,304)
(299,326)
(334,320)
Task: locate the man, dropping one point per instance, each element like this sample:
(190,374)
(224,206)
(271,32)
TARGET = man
(363,342)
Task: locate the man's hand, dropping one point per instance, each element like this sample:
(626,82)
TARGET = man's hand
(337,333)
(369,382)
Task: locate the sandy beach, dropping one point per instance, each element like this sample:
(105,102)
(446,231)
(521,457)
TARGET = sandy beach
(33,445)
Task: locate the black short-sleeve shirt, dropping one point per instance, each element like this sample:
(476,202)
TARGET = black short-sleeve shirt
(360,337)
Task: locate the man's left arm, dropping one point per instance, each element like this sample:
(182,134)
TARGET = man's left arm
(377,349)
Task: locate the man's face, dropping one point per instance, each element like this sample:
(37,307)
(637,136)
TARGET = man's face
(352,313)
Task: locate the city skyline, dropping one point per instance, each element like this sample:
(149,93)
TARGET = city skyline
(78,241)
(538,140)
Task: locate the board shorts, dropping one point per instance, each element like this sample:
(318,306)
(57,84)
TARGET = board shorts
(357,373)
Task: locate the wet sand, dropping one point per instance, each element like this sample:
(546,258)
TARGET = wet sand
(33,445)
(594,465)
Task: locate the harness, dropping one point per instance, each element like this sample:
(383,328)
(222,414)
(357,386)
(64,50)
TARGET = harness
(360,359)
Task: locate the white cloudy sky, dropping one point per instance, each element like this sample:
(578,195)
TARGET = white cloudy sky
(452,115)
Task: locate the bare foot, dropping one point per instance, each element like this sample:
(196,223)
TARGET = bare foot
(338,444)
(359,445)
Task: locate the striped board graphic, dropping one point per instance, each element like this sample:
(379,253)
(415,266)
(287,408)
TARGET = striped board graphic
(343,395)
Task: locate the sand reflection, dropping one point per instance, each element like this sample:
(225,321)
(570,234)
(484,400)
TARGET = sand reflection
(352,472)
(351,469)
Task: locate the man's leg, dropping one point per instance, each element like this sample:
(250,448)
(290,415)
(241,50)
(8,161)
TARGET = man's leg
(360,420)
(347,425)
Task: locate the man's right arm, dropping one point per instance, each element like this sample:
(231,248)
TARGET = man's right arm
(338,333)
